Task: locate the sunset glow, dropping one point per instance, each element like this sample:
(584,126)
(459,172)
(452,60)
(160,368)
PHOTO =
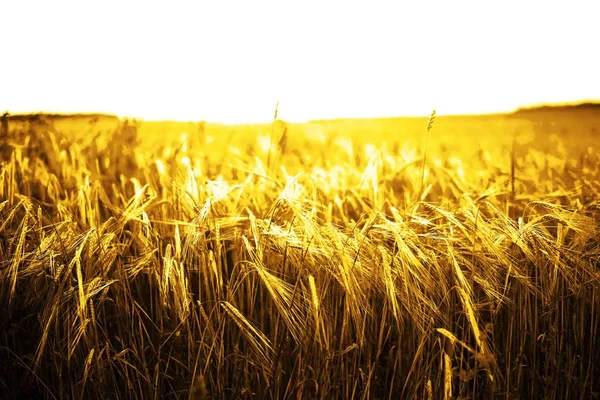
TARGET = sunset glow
(232,61)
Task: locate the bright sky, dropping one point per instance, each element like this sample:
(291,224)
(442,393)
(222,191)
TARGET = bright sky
(231,61)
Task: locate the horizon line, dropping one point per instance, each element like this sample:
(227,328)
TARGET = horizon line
(524,108)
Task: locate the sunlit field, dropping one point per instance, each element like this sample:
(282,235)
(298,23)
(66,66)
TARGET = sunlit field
(425,258)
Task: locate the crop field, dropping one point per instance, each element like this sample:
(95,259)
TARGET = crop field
(407,258)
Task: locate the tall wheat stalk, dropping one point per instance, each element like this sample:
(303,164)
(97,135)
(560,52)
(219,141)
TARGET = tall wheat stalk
(272,138)
(428,128)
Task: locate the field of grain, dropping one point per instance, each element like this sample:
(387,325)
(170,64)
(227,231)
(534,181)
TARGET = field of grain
(449,257)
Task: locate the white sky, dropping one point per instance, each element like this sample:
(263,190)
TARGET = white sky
(230,61)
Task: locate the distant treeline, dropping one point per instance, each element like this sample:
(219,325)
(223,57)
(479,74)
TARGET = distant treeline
(55,116)
(587,106)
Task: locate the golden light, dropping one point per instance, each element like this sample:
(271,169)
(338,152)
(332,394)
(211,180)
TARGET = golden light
(230,61)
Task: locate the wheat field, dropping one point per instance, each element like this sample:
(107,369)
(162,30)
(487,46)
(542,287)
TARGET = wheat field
(425,258)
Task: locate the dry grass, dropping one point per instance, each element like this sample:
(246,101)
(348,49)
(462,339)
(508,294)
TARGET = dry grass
(321,267)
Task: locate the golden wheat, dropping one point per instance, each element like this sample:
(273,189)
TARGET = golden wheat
(325,267)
